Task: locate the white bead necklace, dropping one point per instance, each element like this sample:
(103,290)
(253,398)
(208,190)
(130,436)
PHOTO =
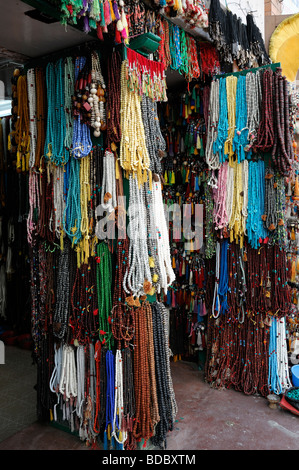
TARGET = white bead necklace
(58,200)
(167,273)
(118,399)
(138,270)
(212,159)
(80,381)
(68,378)
(31,91)
(282,355)
(108,181)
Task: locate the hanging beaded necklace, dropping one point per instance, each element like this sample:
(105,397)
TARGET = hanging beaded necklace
(104,283)
(265,136)
(240,140)
(69,86)
(222,129)
(40,114)
(31,91)
(22,137)
(113,99)
(133,154)
(212,157)
(231,90)
(72,211)
(143,425)
(254,99)
(60,320)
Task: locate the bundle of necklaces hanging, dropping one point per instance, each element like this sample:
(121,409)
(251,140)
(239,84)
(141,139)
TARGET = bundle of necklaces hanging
(116,289)
(250,157)
(97,283)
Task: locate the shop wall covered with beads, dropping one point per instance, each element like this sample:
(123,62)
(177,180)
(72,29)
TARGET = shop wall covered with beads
(161,222)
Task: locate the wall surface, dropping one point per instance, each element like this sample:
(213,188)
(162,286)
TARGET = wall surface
(242,8)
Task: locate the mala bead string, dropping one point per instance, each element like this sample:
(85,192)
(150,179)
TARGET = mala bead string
(83,318)
(231,93)
(61,315)
(34,206)
(153,137)
(152,242)
(282,152)
(240,140)
(69,87)
(54,149)
(212,157)
(103,388)
(133,154)
(137,279)
(110,398)
(152,372)
(22,136)
(97,360)
(40,114)
(222,125)
(31,92)
(166,270)
(122,315)
(265,137)
(270,215)
(236,224)
(58,200)
(128,398)
(142,423)
(165,423)
(119,435)
(68,378)
(104,292)
(254,99)
(72,211)
(113,99)
(165,324)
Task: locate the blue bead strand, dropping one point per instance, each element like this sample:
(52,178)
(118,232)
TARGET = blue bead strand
(222,130)
(241,133)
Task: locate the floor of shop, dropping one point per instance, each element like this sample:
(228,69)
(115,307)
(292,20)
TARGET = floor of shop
(207,419)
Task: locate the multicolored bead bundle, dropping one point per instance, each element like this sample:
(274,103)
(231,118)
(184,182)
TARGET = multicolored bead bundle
(249,161)
(98,267)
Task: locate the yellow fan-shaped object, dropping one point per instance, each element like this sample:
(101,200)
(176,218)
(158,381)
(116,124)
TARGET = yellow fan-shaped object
(284,46)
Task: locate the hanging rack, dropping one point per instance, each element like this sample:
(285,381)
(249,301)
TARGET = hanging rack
(83,48)
(244,72)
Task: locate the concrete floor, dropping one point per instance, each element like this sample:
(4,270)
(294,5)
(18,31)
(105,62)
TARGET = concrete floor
(207,419)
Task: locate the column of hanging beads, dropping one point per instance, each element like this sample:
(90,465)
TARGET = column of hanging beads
(222,128)
(240,140)
(254,99)
(256,194)
(231,90)
(56,127)
(72,211)
(212,156)
(236,221)
(69,84)
(31,87)
(104,282)
(81,144)
(22,137)
(133,154)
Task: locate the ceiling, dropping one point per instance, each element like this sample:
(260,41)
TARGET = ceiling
(22,37)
